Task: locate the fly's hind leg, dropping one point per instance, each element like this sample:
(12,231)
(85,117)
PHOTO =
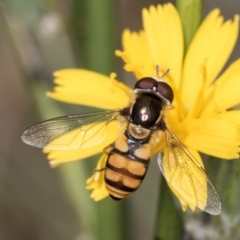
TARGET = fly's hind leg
(96,170)
(108,148)
(97,173)
(100,169)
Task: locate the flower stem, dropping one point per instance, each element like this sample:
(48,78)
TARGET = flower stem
(169,221)
(190,12)
(100,38)
(99,56)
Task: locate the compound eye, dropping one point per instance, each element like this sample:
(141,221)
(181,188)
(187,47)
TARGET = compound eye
(166,91)
(162,88)
(145,83)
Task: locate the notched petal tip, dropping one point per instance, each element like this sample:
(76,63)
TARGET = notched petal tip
(84,87)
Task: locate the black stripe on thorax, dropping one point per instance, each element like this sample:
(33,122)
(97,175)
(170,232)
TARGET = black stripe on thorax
(124,172)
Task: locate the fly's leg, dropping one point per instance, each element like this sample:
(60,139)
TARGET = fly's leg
(98,170)
(108,148)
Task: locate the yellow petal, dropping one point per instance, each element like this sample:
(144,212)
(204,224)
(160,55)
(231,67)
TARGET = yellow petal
(211,46)
(163,30)
(216,137)
(233,116)
(84,87)
(225,91)
(183,201)
(99,193)
(59,157)
(97,182)
(136,54)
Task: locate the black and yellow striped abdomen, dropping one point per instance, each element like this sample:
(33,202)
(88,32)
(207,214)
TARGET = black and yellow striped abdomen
(126,167)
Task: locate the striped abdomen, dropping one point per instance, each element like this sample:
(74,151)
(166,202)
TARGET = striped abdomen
(126,167)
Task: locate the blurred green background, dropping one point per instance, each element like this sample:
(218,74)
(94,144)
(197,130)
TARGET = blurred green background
(38,37)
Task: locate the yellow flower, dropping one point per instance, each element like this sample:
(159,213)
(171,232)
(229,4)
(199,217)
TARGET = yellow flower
(203,118)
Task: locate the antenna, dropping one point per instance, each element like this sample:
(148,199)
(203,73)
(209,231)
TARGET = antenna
(166,71)
(157,70)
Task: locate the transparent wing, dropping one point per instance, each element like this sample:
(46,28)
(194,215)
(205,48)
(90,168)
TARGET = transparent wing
(71,132)
(186,176)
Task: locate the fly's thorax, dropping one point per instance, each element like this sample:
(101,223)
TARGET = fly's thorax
(146,111)
(145,115)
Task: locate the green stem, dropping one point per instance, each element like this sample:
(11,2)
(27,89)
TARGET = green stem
(169,220)
(99,56)
(190,12)
(100,38)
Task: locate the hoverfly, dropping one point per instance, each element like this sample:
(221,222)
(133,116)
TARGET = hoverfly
(129,156)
